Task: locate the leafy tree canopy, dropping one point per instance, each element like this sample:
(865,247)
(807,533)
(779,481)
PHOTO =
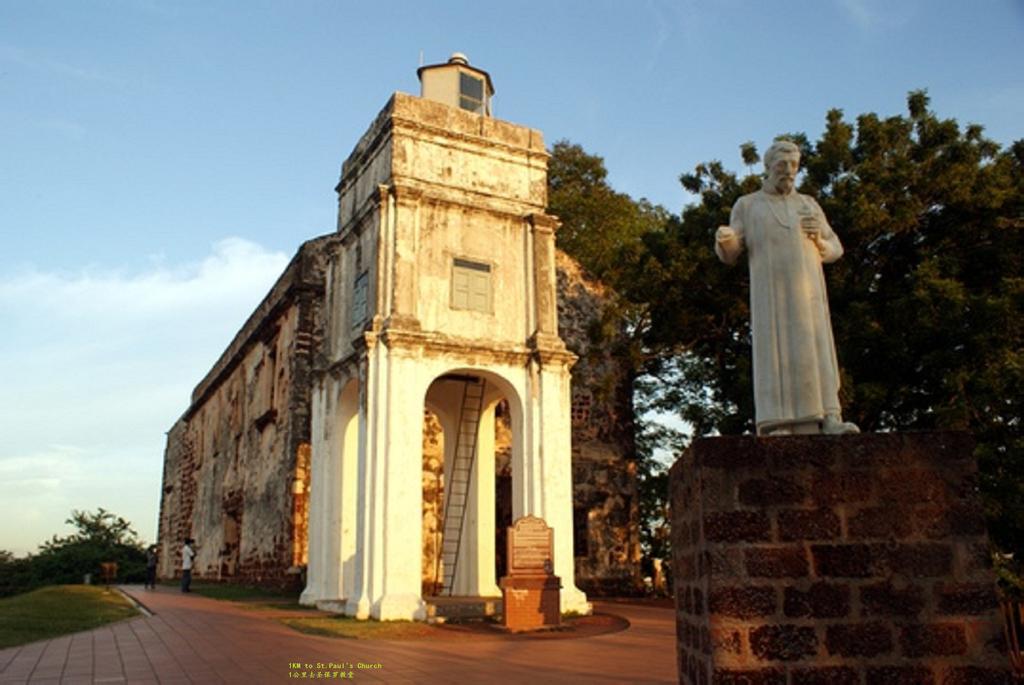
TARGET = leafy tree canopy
(102,528)
(604,231)
(599,225)
(926,303)
(99,537)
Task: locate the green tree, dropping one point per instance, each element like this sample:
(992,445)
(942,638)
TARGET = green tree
(926,303)
(600,226)
(15,573)
(103,529)
(604,231)
(99,537)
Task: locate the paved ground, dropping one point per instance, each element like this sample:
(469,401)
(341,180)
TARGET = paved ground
(191,639)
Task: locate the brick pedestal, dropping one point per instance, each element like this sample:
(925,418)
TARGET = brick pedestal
(530,602)
(842,560)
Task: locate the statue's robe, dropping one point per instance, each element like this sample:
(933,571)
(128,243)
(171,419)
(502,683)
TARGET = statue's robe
(796,376)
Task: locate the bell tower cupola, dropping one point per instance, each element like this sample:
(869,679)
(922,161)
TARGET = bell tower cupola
(457,84)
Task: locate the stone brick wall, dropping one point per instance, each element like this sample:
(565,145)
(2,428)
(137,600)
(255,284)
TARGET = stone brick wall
(854,559)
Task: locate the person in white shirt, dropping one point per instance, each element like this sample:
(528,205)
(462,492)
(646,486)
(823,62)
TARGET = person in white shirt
(188,554)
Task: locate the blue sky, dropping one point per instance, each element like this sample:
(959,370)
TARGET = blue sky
(160,163)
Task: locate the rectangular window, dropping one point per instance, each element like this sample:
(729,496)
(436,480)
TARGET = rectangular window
(265,371)
(359,301)
(471,93)
(471,286)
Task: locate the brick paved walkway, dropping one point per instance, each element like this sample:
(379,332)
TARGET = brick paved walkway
(191,639)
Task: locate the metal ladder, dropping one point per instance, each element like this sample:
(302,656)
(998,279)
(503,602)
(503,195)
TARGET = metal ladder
(456,494)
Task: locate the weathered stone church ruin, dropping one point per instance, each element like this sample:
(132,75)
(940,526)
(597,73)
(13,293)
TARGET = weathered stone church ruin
(413,383)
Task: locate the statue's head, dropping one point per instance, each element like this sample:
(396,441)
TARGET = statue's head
(781,161)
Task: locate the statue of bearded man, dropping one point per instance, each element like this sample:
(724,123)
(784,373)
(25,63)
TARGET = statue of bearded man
(787,238)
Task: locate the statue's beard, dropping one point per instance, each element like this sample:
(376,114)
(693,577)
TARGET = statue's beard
(784,184)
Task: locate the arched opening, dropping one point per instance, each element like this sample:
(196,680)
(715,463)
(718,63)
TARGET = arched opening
(471,435)
(332,491)
(348,466)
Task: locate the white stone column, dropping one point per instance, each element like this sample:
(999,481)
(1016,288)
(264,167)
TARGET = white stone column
(400,451)
(556,466)
(526,471)
(315,558)
(543,229)
(347,442)
(359,602)
(475,574)
(403,217)
(332,511)
(544,470)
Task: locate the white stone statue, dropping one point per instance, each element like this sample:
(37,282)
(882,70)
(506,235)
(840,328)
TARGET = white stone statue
(796,376)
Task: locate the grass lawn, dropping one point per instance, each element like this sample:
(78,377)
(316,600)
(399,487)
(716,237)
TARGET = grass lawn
(241,593)
(350,628)
(57,610)
(250,597)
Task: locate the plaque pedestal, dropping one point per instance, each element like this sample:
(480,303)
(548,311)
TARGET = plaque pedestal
(530,591)
(530,602)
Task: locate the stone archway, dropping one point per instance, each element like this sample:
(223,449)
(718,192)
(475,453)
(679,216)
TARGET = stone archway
(333,498)
(460,420)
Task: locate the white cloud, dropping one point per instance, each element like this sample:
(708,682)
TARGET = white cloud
(97,365)
(228,274)
(39,473)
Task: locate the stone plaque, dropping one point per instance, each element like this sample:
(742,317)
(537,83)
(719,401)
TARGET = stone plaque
(530,547)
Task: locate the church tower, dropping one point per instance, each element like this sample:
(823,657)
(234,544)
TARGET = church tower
(441,297)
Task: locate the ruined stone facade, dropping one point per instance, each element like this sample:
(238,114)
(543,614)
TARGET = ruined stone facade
(605,499)
(236,468)
(237,473)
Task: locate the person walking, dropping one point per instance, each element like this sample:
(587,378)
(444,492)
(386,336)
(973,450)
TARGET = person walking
(151,559)
(188,554)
